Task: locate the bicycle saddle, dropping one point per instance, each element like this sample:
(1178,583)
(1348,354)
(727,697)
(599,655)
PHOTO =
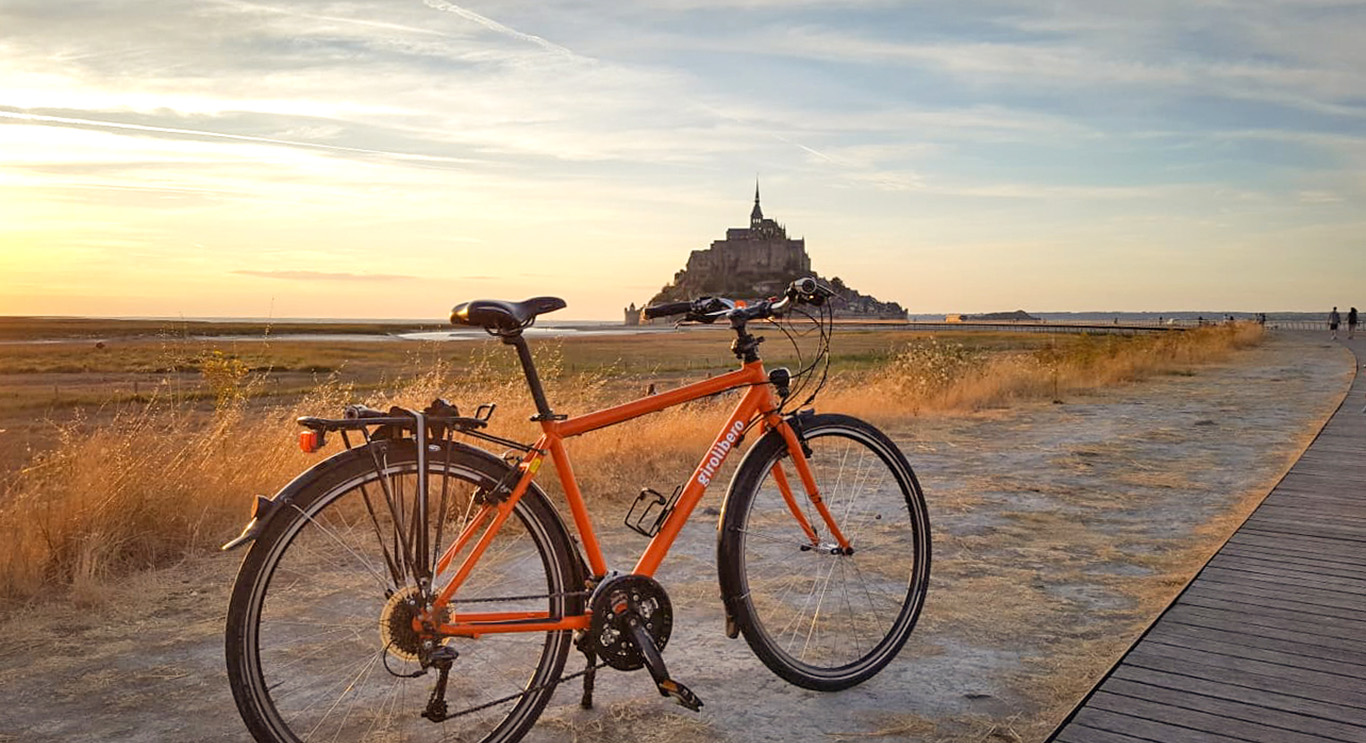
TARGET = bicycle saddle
(499,315)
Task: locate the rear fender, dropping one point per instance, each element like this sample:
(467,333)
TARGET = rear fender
(264,510)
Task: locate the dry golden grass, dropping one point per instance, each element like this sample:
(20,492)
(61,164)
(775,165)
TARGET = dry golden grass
(939,375)
(163,479)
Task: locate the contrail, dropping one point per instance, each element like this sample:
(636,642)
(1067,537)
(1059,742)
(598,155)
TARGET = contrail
(95,123)
(493,25)
(337,19)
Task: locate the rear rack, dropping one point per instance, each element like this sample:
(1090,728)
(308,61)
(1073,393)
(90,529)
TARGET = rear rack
(438,422)
(433,423)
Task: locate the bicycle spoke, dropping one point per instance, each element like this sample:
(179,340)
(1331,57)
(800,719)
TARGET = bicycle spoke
(823,618)
(332,670)
(380,578)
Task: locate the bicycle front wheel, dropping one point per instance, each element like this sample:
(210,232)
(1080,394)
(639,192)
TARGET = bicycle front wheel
(320,642)
(817,617)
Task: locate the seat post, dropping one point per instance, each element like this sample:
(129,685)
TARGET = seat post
(533,380)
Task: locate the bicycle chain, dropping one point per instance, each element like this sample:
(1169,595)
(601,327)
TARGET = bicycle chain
(534,689)
(492,599)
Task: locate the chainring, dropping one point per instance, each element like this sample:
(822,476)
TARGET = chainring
(612,602)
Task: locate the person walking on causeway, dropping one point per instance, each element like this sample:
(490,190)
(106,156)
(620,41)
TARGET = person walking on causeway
(1333,319)
(1351,323)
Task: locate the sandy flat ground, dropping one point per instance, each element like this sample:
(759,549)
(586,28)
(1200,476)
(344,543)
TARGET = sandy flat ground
(1061,530)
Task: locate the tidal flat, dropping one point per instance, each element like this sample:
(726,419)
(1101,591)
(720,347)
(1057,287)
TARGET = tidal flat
(1061,529)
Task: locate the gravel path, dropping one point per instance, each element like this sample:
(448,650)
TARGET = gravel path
(1060,531)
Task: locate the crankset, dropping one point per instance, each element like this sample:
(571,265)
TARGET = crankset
(631,622)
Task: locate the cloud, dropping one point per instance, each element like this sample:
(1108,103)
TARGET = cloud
(324,276)
(33,118)
(436,130)
(493,25)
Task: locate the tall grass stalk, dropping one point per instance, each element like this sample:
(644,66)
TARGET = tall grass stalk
(942,376)
(167,479)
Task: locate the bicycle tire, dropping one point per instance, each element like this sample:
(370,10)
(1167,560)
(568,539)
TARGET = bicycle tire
(305,652)
(778,587)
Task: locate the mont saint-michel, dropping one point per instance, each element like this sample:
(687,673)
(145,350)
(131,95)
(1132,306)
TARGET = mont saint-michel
(759,261)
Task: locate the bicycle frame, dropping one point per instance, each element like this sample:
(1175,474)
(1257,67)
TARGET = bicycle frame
(758,402)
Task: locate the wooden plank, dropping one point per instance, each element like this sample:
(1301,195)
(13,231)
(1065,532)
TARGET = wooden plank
(1218,579)
(1303,501)
(1318,576)
(1186,665)
(1198,720)
(1290,559)
(1335,482)
(1270,699)
(1345,660)
(1301,472)
(1265,521)
(1344,512)
(1287,675)
(1228,622)
(1325,633)
(1315,728)
(1243,568)
(1343,672)
(1339,528)
(1327,465)
(1076,733)
(1328,548)
(1338,442)
(1295,559)
(1239,557)
(1329,462)
(1323,531)
(1291,506)
(1326,607)
(1326,484)
(1262,609)
(1308,581)
(1145,729)
(1297,488)
(1308,530)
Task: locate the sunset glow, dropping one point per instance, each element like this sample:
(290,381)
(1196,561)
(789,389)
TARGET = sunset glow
(377,159)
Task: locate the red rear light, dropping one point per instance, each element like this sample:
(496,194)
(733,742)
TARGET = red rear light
(310,441)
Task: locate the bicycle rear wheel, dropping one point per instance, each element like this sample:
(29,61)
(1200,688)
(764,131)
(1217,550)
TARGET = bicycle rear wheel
(818,618)
(318,643)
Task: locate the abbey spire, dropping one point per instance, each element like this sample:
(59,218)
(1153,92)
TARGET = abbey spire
(756,216)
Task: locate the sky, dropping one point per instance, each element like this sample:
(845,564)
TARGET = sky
(302,158)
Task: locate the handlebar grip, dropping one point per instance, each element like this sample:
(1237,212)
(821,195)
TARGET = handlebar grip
(664,310)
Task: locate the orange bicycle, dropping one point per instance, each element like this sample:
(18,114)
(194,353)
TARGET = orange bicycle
(417,587)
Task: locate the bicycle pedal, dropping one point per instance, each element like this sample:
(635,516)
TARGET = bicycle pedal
(680,693)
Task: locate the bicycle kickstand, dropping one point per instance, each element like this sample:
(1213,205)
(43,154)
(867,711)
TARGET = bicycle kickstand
(589,674)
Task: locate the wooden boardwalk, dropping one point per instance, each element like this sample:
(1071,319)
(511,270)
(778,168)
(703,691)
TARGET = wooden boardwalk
(1268,642)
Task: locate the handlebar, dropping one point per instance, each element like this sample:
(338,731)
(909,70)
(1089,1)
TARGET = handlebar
(805,290)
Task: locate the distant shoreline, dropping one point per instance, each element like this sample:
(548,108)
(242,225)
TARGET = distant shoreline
(52,329)
(17,329)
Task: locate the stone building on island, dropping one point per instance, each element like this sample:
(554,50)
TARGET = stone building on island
(755,262)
